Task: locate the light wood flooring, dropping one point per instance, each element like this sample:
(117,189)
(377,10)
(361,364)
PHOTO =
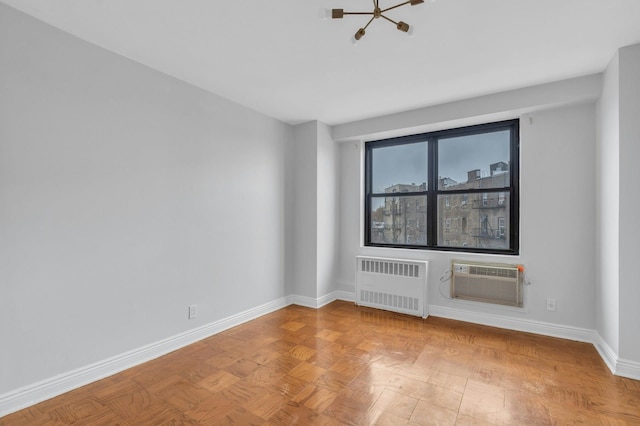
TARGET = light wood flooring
(347,365)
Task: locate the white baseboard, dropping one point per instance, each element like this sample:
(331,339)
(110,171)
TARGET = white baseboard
(49,388)
(347,296)
(29,395)
(629,369)
(618,366)
(32,394)
(510,323)
(307,302)
(310,302)
(607,354)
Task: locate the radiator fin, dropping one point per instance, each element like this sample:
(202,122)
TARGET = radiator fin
(400,268)
(390,300)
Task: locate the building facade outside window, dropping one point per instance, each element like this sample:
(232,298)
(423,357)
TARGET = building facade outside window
(449,190)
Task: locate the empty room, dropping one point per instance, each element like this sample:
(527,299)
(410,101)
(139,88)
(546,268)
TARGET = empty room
(321,212)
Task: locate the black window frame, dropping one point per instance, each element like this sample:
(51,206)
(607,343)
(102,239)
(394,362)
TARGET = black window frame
(432,190)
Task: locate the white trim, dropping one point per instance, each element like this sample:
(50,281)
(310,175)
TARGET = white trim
(325,300)
(32,394)
(347,296)
(310,302)
(307,302)
(57,385)
(619,367)
(629,369)
(537,327)
(607,354)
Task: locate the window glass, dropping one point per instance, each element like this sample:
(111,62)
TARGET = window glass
(485,225)
(474,161)
(399,168)
(399,220)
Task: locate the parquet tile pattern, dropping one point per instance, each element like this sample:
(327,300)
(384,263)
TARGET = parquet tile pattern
(344,365)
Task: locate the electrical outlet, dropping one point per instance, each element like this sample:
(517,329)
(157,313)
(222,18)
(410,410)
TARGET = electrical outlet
(551,304)
(193,311)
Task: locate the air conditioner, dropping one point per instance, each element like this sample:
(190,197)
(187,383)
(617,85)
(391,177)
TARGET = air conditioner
(500,284)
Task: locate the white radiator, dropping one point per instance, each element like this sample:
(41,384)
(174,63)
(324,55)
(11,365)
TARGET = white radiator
(392,284)
(484,282)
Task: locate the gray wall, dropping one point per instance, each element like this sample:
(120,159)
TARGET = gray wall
(557,215)
(629,203)
(315,247)
(125,196)
(608,208)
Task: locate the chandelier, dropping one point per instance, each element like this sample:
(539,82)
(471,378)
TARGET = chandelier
(377,13)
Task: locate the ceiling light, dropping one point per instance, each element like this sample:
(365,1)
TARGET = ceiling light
(377,13)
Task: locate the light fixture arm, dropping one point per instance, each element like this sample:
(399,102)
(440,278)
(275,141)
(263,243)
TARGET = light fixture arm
(377,13)
(370,21)
(357,13)
(396,6)
(390,20)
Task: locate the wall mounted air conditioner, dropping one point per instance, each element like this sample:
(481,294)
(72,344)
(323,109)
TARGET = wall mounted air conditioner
(500,284)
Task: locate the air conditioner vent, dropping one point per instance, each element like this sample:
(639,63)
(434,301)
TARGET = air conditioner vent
(489,283)
(494,271)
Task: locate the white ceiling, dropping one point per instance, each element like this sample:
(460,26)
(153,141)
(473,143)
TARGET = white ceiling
(280,58)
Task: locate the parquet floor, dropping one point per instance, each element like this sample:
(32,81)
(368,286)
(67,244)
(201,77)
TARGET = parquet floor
(347,365)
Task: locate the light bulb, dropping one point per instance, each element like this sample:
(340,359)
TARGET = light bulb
(403,26)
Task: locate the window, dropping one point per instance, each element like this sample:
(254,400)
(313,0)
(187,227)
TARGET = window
(415,185)
(484,225)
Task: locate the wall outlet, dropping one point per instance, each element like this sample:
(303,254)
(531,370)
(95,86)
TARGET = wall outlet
(193,311)
(551,304)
